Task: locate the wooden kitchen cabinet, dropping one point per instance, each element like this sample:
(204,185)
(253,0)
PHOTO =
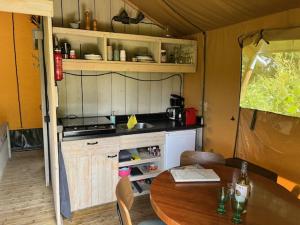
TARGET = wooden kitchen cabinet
(92,171)
(104,177)
(78,168)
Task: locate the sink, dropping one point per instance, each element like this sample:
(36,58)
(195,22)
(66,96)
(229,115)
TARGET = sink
(143,126)
(138,126)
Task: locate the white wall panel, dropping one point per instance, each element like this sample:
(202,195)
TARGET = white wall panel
(104,94)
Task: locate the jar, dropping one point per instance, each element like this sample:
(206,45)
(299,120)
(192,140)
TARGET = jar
(72,54)
(109,53)
(116,55)
(122,55)
(163,57)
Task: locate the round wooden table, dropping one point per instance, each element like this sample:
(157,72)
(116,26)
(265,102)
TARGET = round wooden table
(196,203)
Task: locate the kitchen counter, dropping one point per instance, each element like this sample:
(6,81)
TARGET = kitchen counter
(159,121)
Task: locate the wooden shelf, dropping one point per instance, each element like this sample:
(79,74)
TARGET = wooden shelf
(102,65)
(121,36)
(141,161)
(145,175)
(145,187)
(87,41)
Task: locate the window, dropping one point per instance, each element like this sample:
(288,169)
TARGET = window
(271,77)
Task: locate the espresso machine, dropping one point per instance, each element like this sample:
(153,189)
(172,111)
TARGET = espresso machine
(176,111)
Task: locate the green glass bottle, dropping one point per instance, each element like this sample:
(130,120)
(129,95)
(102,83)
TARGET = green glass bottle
(242,187)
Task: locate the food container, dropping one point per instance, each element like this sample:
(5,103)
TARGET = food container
(124,171)
(72,54)
(163,57)
(109,53)
(122,55)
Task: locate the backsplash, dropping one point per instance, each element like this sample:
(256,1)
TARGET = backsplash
(91,96)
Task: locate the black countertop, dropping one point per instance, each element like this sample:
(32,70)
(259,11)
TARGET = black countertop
(159,121)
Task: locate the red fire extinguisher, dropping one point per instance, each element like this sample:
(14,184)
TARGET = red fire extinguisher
(58,72)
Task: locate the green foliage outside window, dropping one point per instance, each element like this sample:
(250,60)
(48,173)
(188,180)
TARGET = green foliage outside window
(274,85)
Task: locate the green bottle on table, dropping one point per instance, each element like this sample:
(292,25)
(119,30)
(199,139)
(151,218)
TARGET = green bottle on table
(242,187)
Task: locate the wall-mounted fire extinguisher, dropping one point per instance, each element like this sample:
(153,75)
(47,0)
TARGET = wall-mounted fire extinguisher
(58,72)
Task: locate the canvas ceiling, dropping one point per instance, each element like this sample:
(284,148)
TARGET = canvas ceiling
(191,16)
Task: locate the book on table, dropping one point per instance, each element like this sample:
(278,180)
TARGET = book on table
(192,174)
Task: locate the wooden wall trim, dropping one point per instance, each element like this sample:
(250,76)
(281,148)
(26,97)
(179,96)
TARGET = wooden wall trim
(33,7)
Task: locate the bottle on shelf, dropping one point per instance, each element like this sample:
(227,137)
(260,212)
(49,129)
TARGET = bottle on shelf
(242,187)
(87,20)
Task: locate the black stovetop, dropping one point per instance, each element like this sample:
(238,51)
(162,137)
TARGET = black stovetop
(82,126)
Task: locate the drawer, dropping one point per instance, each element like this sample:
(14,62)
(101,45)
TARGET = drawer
(142,140)
(109,144)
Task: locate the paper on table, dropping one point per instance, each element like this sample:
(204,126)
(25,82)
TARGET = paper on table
(194,175)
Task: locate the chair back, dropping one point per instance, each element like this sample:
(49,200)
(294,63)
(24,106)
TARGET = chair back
(198,157)
(237,163)
(296,191)
(125,199)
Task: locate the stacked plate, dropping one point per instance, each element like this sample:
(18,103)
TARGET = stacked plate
(92,57)
(144,58)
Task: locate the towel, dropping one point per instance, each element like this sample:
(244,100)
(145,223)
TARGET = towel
(65,205)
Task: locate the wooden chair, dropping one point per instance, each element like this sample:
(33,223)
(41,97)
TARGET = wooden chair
(296,191)
(237,162)
(197,157)
(125,200)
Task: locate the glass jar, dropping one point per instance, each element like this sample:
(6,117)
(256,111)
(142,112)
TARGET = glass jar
(163,57)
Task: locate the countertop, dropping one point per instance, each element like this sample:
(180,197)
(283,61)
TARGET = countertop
(159,121)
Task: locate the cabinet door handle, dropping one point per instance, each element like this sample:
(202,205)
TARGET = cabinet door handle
(92,143)
(112,156)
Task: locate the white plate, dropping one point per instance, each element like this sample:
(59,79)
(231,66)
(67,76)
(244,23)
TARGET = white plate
(144,57)
(92,57)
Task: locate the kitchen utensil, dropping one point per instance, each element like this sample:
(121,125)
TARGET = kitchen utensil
(75,25)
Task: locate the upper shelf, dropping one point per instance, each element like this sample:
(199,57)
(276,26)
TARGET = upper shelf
(87,41)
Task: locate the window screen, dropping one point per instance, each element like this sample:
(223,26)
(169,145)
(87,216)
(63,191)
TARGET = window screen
(271,77)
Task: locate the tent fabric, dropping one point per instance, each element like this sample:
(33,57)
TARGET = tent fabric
(187,16)
(273,144)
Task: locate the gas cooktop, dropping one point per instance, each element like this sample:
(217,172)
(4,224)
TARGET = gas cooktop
(83,126)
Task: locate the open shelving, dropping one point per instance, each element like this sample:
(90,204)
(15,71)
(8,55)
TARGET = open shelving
(86,41)
(145,187)
(145,159)
(139,161)
(145,175)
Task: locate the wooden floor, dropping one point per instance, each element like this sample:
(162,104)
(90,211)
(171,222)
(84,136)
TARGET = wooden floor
(24,198)
(107,214)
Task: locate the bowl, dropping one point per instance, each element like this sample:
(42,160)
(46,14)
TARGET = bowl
(75,25)
(124,172)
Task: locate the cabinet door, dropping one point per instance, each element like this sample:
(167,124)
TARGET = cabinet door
(78,168)
(104,177)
